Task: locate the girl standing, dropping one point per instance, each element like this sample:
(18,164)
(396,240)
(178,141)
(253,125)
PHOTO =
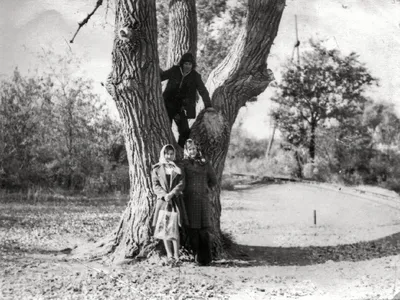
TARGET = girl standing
(200,178)
(168,184)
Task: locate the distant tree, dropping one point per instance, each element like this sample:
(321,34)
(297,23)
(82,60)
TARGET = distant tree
(82,129)
(384,124)
(327,86)
(23,119)
(384,127)
(354,148)
(364,148)
(54,130)
(243,146)
(219,24)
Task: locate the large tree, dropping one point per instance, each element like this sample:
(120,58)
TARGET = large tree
(326,86)
(135,86)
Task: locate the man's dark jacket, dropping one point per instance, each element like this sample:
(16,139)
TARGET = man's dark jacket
(181,91)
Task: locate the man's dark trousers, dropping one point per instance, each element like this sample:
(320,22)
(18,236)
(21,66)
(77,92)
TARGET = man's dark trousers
(182,123)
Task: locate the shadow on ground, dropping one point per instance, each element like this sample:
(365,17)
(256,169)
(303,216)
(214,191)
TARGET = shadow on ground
(16,250)
(302,256)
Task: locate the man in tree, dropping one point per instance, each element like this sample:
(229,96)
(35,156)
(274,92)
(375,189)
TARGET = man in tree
(180,94)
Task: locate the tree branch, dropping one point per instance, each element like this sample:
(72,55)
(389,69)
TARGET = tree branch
(84,21)
(244,74)
(304,117)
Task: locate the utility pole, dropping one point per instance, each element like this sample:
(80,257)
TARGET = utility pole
(271,139)
(297,43)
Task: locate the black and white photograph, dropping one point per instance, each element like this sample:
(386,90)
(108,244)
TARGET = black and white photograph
(200,149)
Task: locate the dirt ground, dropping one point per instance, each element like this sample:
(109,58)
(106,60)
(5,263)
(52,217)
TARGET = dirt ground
(352,252)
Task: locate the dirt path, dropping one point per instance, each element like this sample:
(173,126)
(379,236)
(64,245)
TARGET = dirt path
(283,215)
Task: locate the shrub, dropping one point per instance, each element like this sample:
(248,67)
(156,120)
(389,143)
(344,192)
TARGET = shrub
(227,184)
(392,184)
(114,179)
(321,170)
(281,163)
(242,146)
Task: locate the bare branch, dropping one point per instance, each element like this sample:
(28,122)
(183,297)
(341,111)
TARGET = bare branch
(82,23)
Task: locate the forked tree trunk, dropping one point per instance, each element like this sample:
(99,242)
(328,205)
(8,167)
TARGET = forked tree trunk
(182,26)
(135,86)
(239,78)
(182,30)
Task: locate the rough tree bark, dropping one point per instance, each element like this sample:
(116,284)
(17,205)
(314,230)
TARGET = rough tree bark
(239,78)
(182,30)
(134,83)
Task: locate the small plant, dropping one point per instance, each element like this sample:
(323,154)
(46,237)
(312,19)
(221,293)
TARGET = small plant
(227,184)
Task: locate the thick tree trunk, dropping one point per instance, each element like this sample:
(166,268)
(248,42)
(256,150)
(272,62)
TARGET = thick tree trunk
(299,172)
(312,141)
(135,86)
(182,30)
(240,77)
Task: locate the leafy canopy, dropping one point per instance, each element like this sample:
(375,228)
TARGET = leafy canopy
(326,88)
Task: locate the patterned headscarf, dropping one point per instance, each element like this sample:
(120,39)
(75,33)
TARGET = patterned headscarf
(198,158)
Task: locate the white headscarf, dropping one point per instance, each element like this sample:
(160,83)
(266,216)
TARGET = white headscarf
(168,164)
(162,159)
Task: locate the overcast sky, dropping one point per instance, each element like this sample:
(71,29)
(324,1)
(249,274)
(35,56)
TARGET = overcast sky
(369,27)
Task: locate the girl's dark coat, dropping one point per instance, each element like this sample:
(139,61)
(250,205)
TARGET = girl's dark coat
(161,189)
(199,179)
